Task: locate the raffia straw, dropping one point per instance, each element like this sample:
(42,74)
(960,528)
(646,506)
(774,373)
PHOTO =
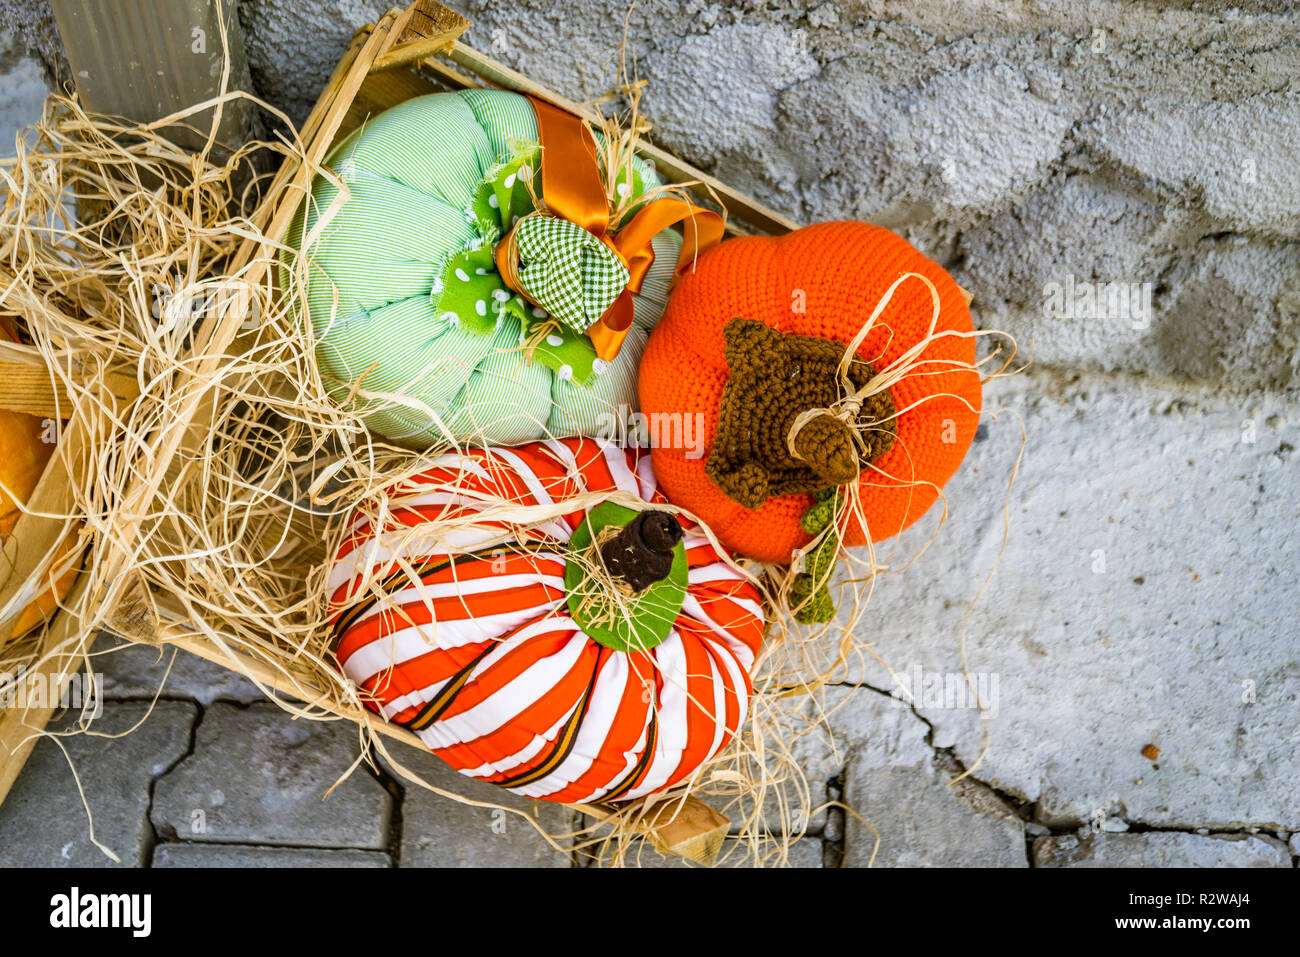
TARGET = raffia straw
(260,494)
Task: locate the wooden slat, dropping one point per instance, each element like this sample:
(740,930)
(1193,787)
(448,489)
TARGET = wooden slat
(147,60)
(31,389)
(422,29)
(28,552)
(20,728)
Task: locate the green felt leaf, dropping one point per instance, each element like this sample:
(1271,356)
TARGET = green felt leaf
(651,613)
(565,351)
(502,195)
(471,289)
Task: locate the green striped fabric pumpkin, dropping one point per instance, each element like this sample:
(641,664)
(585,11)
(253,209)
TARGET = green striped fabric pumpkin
(413,327)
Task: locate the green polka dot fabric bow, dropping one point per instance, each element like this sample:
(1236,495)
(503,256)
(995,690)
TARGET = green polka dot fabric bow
(471,289)
(567,271)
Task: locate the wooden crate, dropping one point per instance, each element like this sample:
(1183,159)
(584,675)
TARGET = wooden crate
(36,547)
(407,53)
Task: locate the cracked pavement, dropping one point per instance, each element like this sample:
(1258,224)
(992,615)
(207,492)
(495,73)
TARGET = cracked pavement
(217,776)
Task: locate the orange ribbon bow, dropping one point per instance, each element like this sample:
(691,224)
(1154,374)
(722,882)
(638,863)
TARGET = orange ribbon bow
(572,189)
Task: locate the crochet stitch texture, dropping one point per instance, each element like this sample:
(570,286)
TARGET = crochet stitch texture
(822,281)
(773,378)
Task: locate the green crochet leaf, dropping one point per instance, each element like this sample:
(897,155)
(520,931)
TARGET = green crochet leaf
(810,587)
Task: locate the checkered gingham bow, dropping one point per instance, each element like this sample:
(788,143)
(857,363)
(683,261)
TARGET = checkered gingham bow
(567,271)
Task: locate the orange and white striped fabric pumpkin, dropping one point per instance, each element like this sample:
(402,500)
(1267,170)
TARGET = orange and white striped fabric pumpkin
(487,658)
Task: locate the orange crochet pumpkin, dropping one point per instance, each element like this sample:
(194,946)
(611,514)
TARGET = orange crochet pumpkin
(752,337)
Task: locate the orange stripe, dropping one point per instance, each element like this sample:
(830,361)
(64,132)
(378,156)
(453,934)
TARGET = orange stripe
(631,717)
(537,718)
(564,741)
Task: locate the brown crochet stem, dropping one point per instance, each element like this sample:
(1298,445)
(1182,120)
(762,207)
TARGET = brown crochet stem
(641,553)
(825,444)
(774,379)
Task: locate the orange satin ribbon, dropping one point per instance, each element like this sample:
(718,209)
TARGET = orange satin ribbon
(572,189)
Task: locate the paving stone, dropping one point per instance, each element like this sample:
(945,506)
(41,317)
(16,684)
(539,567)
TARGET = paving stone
(42,821)
(1144,598)
(442,832)
(892,781)
(799,743)
(813,751)
(1161,849)
(243,855)
(256,777)
(806,853)
(134,670)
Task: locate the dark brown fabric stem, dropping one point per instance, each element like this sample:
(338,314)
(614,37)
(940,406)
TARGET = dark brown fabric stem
(642,551)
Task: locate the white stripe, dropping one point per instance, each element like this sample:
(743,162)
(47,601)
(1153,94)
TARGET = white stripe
(601,712)
(390,650)
(505,706)
(646,472)
(692,608)
(719,706)
(671,660)
(740,685)
(624,478)
(524,472)
(564,454)
(428,542)
(413,699)
(629,762)
(714,572)
(418,593)
(457,461)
